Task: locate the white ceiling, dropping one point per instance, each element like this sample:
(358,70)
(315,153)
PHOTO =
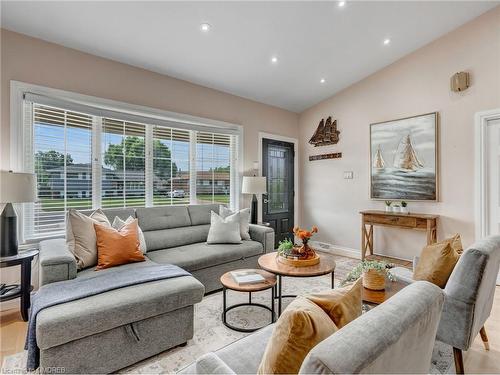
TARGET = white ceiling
(312,40)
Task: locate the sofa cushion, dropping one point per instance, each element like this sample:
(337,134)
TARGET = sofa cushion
(200,255)
(200,214)
(167,238)
(70,321)
(155,218)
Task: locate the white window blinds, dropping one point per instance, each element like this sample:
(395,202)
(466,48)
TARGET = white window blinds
(86,161)
(62,161)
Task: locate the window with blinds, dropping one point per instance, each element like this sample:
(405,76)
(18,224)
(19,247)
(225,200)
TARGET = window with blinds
(87,161)
(213,167)
(62,161)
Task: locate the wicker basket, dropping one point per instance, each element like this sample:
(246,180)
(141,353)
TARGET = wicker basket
(373,280)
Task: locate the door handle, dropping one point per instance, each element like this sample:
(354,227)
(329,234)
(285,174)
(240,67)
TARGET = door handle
(266,201)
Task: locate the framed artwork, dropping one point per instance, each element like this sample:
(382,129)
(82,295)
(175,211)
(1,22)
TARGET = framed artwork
(404,159)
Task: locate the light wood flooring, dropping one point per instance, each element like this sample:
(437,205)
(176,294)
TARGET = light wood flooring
(476,360)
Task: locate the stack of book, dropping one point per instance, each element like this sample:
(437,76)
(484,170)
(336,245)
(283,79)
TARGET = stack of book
(247,277)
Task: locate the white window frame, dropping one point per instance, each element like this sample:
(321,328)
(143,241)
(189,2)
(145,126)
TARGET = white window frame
(19,136)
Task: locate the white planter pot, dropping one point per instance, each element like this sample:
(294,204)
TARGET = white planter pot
(396,209)
(388,209)
(404,210)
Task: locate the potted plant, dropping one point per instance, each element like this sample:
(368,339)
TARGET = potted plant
(404,208)
(374,273)
(388,206)
(285,246)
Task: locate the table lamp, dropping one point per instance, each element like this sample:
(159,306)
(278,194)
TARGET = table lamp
(14,188)
(254,185)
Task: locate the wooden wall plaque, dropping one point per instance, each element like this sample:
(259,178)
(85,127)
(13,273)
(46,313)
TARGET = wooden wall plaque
(335,155)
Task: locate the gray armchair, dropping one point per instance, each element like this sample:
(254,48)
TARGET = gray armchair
(469,296)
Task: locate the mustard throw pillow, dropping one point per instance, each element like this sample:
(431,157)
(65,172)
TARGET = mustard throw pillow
(456,244)
(342,305)
(301,326)
(437,262)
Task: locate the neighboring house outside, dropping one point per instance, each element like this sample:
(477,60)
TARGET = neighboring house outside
(79,182)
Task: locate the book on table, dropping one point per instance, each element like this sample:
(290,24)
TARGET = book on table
(247,277)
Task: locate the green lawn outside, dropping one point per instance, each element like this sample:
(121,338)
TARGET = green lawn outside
(86,203)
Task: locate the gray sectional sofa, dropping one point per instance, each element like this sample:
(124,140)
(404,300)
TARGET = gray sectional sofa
(109,331)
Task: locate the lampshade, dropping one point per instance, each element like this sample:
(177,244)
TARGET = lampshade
(17,187)
(254,185)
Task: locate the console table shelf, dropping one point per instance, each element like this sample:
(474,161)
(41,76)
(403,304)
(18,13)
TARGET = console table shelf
(370,218)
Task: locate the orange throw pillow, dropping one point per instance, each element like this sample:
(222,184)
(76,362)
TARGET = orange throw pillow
(117,247)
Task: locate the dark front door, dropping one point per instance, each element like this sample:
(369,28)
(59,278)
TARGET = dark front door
(277,204)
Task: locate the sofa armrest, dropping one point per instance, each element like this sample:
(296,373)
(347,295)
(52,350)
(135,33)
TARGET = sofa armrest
(264,235)
(56,261)
(210,363)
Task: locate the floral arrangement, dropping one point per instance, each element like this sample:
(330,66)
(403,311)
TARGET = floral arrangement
(305,235)
(381,267)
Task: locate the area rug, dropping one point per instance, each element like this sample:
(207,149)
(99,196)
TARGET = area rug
(210,334)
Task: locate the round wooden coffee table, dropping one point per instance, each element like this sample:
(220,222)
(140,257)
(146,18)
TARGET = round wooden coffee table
(228,282)
(270,262)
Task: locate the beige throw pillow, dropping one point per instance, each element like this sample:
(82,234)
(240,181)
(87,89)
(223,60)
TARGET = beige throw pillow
(244,220)
(437,262)
(118,224)
(342,305)
(300,328)
(224,231)
(81,237)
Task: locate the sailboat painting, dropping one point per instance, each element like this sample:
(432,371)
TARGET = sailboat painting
(403,158)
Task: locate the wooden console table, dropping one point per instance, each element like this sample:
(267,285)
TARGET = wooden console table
(422,222)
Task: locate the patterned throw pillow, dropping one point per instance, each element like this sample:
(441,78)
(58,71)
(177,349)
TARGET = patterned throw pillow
(119,223)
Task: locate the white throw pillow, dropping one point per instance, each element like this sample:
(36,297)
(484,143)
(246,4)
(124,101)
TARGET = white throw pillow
(224,230)
(118,225)
(81,238)
(244,220)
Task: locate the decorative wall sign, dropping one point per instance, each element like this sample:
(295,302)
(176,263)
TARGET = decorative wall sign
(403,156)
(335,155)
(326,133)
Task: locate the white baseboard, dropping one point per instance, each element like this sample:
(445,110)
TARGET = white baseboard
(336,250)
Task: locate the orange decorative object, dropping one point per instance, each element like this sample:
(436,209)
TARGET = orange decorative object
(301,256)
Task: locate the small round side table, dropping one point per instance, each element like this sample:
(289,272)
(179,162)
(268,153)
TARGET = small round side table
(228,282)
(23,290)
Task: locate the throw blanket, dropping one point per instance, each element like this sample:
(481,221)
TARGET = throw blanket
(100,282)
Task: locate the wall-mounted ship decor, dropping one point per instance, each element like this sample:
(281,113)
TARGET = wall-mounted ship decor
(404,158)
(326,133)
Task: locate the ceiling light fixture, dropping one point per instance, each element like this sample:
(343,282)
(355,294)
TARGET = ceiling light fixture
(387,41)
(341,4)
(205,27)
(322,80)
(274,59)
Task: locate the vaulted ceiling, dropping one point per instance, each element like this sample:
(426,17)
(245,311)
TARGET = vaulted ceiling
(319,47)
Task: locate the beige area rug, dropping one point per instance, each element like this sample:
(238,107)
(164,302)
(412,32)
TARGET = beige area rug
(210,334)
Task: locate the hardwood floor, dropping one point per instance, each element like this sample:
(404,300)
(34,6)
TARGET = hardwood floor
(476,360)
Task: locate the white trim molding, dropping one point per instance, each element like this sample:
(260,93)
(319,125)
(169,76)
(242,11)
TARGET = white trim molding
(481,164)
(295,143)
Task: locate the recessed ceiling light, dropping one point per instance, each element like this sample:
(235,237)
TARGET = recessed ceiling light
(274,59)
(205,27)
(387,41)
(341,4)
(322,80)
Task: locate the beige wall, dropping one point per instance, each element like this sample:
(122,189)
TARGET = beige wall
(416,84)
(35,61)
